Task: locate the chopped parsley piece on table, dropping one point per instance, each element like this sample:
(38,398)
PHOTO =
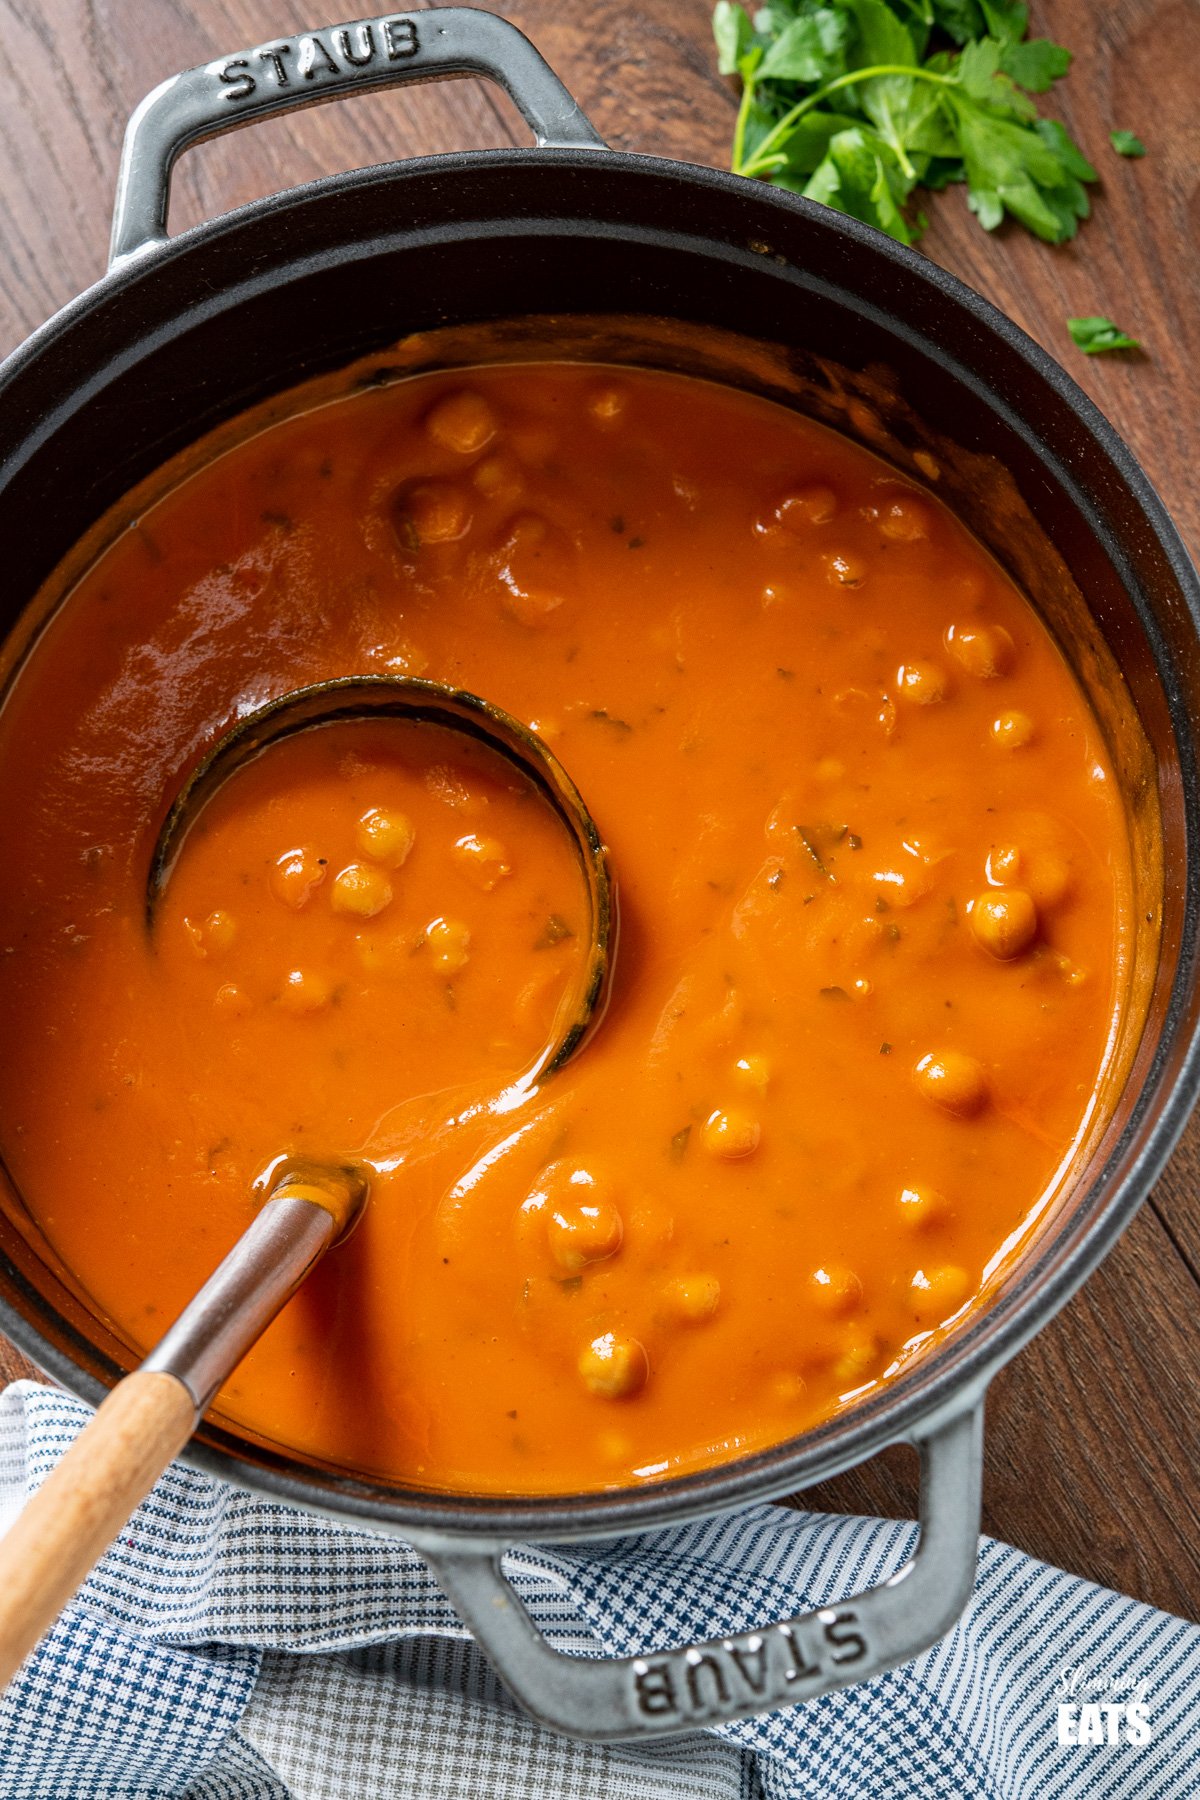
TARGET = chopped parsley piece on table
(1095,335)
(1126,143)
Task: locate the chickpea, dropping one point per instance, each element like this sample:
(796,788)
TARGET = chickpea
(1012,730)
(483,860)
(858,1356)
(213,934)
(939,1292)
(554,1177)
(835,1289)
(984,651)
(230,999)
(753,1072)
(1003,865)
(952,1080)
(904,519)
(432,512)
(295,875)
(904,886)
(844,569)
(449,941)
(924,683)
(446,785)
(1048,878)
(693,1299)
(922,1205)
(607,406)
(385,836)
(527,532)
(787,1388)
(221,929)
(305,992)
(462,422)
(730,1135)
(360,890)
(1004,921)
(498,478)
(530,606)
(808,506)
(583,1230)
(614,1367)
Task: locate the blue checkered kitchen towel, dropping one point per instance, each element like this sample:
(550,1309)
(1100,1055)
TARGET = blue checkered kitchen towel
(228,1649)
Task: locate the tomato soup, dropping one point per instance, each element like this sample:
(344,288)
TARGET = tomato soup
(875,923)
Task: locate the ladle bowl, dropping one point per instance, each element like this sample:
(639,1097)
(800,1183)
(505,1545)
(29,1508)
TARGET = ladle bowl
(374,697)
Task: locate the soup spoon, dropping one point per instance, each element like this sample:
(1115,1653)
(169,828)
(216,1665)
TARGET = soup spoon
(150,1414)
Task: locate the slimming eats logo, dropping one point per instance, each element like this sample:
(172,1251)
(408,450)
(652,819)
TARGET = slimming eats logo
(1098,1710)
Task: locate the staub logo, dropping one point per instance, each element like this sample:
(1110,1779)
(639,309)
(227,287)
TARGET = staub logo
(773,1665)
(340,50)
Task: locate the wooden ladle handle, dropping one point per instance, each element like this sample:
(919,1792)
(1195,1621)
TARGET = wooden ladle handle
(150,1415)
(85,1500)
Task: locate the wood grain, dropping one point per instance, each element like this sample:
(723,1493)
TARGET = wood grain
(1094,1433)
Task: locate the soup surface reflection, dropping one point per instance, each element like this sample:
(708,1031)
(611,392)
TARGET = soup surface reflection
(875,901)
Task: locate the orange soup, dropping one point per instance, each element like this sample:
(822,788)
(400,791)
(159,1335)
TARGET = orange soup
(875,916)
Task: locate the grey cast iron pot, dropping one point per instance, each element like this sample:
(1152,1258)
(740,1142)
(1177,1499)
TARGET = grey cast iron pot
(797,302)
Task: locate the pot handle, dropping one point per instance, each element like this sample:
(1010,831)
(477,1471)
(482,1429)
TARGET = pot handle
(669,1691)
(324,64)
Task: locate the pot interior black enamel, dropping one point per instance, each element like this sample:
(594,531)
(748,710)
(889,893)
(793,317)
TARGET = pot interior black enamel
(584,252)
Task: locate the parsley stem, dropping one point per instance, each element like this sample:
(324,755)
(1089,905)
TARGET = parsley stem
(764,157)
(743,116)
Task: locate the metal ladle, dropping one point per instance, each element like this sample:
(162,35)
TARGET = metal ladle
(149,1415)
(373,697)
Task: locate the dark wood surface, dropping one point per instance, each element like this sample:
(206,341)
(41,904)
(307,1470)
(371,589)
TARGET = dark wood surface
(1094,1432)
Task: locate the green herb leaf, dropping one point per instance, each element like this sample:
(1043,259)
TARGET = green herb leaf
(555,931)
(734,36)
(881,36)
(1030,169)
(1126,143)
(959,19)
(1035,65)
(1095,335)
(808,144)
(1006,20)
(861,175)
(809,49)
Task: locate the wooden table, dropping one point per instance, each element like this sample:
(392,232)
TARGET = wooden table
(1094,1432)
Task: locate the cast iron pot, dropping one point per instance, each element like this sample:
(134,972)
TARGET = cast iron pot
(183,333)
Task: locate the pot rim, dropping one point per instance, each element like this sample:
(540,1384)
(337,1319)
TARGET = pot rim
(1045,1276)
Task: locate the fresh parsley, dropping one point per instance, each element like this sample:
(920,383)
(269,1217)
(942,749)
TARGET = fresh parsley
(1126,143)
(860,102)
(1095,335)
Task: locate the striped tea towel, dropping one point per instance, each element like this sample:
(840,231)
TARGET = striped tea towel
(231,1649)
